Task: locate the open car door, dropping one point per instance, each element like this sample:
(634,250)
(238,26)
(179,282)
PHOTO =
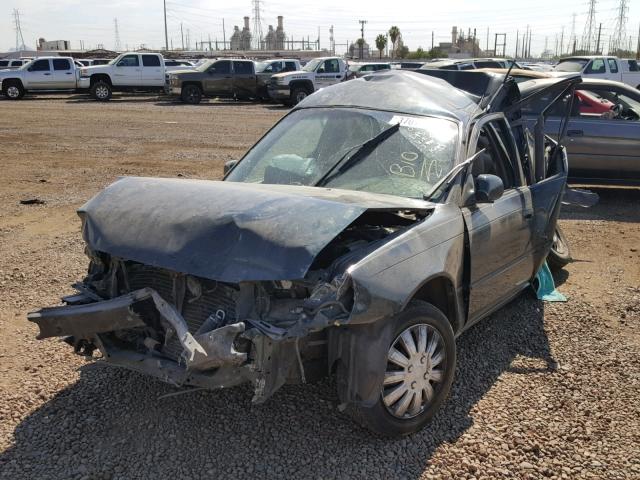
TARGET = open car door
(544,159)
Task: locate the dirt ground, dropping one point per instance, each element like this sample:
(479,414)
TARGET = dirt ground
(541,390)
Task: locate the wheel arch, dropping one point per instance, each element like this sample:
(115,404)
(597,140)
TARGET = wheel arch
(307,84)
(196,83)
(96,77)
(11,81)
(439,290)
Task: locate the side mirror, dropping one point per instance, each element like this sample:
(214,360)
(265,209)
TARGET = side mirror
(229,165)
(488,188)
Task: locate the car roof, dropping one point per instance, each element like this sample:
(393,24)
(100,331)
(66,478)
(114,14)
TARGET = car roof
(397,91)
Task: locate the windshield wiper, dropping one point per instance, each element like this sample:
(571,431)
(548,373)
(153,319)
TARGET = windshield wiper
(363,150)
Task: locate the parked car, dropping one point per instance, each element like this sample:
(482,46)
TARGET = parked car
(40,74)
(603,147)
(267,68)
(174,65)
(366,230)
(406,65)
(449,65)
(291,88)
(11,64)
(361,69)
(602,67)
(127,72)
(215,78)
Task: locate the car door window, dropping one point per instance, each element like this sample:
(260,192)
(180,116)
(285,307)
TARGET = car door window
(331,66)
(290,66)
(613,65)
(617,104)
(276,67)
(242,68)
(596,67)
(150,61)
(223,67)
(498,156)
(4,63)
(40,66)
(633,66)
(16,63)
(61,64)
(129,61)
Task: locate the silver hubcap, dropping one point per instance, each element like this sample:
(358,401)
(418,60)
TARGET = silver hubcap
(415,366)
(13,92)
(301,96)
(102,91)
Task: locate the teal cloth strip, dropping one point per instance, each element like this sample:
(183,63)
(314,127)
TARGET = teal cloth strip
(546,287)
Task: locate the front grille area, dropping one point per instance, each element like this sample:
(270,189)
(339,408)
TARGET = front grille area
(201,298)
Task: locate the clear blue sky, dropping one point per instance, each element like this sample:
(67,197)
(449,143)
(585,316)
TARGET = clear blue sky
(141,21)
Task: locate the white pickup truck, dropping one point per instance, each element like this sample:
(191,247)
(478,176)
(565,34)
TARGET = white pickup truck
(602,67)
(40,74)
(129,71)
(291,88)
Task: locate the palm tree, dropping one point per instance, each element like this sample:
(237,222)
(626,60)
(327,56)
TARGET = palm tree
(381,43)
(394,33)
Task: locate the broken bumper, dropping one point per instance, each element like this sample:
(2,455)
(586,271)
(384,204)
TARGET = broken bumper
(87,323)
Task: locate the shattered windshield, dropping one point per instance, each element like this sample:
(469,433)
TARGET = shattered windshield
(308,144)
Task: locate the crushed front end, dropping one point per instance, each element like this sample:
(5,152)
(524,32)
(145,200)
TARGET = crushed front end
(187,330)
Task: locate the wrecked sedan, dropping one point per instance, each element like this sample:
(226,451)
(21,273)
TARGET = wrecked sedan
(366,230)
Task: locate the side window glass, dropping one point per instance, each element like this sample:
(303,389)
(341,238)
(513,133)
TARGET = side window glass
(150,61)
(223,67)
(276,67)
(633,66)
(613,65)
(596,66)
(40,66)
(242,68)
(290,66)
(495,158)
(4,63)
(61,64)
(129,61)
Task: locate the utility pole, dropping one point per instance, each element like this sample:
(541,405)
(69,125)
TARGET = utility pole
(166,36)
(432,38)
(638,47)
(362,24)
(517,41)
(18,28)
(487,49)
(224,37)
(589,28)
(182,35)
(598,42)
(620,28)
(562,41)
(117,43)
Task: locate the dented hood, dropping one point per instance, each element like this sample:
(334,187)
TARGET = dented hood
(224,231)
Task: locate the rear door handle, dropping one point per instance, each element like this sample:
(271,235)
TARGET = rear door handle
(68,73)
(575,133)
(47,74)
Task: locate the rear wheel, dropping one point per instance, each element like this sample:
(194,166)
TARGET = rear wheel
(101,91)
(13,91)
(420,365)
(559,256)
(191,94)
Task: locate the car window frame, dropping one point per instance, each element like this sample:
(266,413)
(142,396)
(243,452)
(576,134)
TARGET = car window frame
(53,64)
(41,60)
(589,68)
(213,68)
(612,62)
(137,57)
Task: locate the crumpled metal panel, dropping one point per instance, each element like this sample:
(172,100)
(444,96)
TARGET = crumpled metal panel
(224,231)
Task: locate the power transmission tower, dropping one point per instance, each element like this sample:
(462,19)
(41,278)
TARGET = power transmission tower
(19,38)
(619,31)
(589,28)
(257,25)
(118,44)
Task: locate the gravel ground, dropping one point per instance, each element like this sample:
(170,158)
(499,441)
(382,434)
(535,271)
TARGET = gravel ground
(541,390)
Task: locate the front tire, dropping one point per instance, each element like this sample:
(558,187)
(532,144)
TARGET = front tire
(101,91)
(13,91)
(560,255)
(420,367)
(191,94)
(298,94)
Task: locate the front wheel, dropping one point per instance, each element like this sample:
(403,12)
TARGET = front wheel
(13,91)
(101,91)
(298,95)
(420,365)
(560,255)
(191,94)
